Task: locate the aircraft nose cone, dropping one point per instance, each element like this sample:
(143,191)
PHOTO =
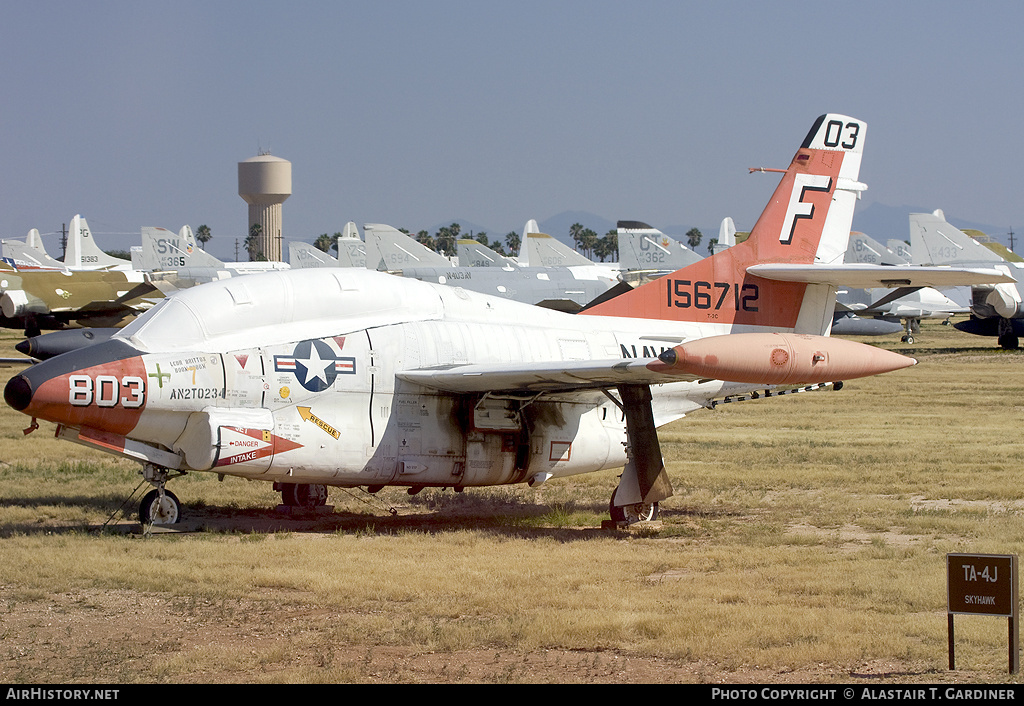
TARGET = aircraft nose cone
(24,346)
(18,393)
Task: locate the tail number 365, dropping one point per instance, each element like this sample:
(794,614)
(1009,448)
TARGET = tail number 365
(106,391)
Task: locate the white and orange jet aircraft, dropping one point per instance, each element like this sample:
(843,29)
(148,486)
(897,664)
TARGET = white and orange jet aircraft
(354,378)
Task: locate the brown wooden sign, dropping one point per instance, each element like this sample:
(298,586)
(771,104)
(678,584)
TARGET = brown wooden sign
(983,584)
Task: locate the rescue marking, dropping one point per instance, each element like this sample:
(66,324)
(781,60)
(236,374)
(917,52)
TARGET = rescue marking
(308,416)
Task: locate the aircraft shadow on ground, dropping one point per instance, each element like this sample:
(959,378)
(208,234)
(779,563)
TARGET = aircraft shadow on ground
(506,519)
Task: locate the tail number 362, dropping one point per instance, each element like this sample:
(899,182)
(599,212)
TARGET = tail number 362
(106,391)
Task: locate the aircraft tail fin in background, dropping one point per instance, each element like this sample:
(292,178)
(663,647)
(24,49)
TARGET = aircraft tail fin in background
(29,254)
(83,252)
(865,249)
(351,249)
(397,250)
(727,232)
(303,255)
(164,250)
(933,241)
(473,253)
(642,247)
(807,221)
(546,251)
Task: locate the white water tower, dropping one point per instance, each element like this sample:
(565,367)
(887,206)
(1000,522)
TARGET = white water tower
(264,182)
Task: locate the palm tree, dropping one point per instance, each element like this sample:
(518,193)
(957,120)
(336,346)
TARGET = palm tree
(607,246)
(514,241)
(588,240)
(203,235)
(693,237)
(446,237)
(324,242)
(424,238)
(576,232)
(252,243)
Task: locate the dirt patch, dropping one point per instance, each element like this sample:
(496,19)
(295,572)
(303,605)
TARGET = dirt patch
(55,639)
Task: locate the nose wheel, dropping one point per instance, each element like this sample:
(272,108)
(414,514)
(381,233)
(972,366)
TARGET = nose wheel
(159,507)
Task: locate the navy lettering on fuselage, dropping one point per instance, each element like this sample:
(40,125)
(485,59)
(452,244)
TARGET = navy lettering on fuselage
(630,351)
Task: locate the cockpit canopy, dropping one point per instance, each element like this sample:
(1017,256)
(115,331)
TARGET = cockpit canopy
(277,307)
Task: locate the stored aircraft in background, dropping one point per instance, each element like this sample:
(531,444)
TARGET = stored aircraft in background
(29,254)
(91,289)
(303,255)
(566,289)
(900,308)
(645,253)
(40,299)
(473,253)
(350,247)
(996,308)
(82,252)
(355,378)
(543,250)
(176,257)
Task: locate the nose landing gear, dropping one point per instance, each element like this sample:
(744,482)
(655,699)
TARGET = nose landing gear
(159,506)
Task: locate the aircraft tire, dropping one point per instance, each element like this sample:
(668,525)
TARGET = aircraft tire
(154,510)
(639,512)
(303,495)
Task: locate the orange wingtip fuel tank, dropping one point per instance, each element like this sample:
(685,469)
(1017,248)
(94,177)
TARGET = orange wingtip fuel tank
(779,359)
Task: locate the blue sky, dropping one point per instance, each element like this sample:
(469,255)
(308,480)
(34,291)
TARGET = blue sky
(420,113)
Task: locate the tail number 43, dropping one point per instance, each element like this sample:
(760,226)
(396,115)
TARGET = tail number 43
(106,391)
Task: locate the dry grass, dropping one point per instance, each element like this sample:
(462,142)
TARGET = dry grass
(807,537)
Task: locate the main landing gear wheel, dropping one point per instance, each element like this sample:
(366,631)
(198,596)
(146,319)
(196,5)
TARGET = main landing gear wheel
(638,512)
(159,509)
(303,495)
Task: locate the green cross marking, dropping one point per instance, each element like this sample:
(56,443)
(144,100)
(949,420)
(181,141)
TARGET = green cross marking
(159,376)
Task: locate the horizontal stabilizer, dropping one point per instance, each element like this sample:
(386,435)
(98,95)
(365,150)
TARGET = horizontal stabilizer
(865,276)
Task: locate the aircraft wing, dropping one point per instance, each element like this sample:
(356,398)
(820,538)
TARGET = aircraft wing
(867,276)
(758,358)
(556,376)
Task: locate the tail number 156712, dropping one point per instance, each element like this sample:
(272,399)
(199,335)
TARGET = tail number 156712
(683,294)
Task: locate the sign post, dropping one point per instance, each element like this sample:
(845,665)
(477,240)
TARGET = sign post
(983,584)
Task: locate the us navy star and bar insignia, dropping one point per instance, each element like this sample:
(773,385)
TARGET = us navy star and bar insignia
(315,365)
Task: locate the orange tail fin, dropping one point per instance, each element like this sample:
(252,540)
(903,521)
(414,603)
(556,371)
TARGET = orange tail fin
(807,220)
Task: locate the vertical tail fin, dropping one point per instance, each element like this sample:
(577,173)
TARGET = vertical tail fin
(305,256)
(84,253)
(396,250)
(934,241)
(642,247)
(164,250)
(351,250)
(545,251)
(807,220)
